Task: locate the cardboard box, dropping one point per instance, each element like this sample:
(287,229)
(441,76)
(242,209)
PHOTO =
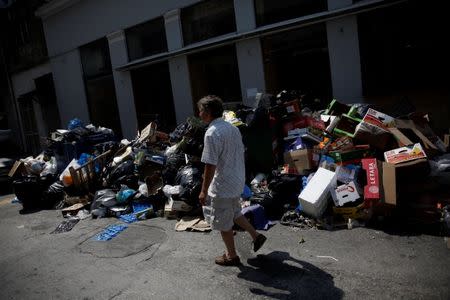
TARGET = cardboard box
(394,175)
(372,191)
(354,212)
(404,154)
(314,197)
(350,156)
(378,119)
(336,108)
(344,194)
(375,136)
(346,126)
(301,160)
(292,106)
(17,169)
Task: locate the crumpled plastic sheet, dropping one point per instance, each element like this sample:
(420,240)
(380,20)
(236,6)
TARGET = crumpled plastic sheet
(66,225)
(110,232)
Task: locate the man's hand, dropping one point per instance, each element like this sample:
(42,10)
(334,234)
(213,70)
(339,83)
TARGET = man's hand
(202,198)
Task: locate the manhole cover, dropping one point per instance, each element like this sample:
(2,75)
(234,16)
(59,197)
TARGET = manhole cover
(133,240)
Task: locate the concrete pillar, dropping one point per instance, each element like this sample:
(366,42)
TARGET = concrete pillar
(181,88)
(251,69)
(178,67)
(249,53)
(343,49)
(174,33)
(244,11)
(122,82)
(69,87)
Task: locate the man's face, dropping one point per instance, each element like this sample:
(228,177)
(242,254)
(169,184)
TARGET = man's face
(204,115)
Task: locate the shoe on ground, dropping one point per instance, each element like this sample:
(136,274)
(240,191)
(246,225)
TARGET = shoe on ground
(224,260)
(258,242)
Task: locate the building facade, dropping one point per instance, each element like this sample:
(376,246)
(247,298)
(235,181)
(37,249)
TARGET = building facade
(122,64)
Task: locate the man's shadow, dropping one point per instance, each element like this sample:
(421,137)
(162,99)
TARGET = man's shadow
(285,277)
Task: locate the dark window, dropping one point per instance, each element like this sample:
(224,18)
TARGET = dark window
(215,72)
(298,60)
(153,96)
(272,11)
(207,19)
(100,89)
(399,52)
(146,39)
(404,61)
(95,59)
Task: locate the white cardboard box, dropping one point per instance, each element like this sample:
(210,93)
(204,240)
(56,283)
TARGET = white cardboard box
(314,196)
(345,193)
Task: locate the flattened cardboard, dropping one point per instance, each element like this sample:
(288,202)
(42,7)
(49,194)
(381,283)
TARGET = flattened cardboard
(17,169)
(409,124)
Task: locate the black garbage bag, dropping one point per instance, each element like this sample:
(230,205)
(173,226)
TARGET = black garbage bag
(28,191)
(285,188)
(121,171)
(191,146)
(190,178)
(53,195)
(173,163)
(103,147)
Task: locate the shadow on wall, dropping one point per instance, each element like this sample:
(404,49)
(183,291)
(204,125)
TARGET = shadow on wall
(285,277)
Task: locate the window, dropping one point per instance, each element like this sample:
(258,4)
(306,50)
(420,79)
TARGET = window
(404,60)
(99,83)
(207,19)
(146,39)
(215,72)
(399,52)
(298,60)
(153,96)
(272,11)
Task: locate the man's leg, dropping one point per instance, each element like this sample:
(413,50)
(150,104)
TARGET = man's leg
(228,239)
(245,224)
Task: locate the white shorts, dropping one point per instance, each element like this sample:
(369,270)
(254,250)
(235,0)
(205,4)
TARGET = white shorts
(220,213)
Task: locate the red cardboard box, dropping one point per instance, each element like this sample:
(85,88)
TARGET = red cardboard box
(372,189)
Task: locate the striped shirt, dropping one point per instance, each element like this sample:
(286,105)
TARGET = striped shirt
(224,149)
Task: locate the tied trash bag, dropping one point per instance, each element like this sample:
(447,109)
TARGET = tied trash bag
(125,194)
(53,195)
(190,178)
(124,174)
(106,198)
(74,123)
(173,164)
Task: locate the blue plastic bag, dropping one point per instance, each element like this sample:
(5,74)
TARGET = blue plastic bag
(74,123)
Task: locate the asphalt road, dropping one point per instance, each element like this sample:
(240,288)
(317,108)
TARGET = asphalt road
(149,260)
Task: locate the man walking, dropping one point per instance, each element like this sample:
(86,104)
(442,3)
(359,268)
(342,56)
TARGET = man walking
(223,179)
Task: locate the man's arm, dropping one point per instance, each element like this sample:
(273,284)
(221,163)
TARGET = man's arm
(208,175)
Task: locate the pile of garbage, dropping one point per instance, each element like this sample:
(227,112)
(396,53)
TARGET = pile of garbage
(306,164)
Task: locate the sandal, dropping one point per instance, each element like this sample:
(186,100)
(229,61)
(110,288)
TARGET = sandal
(258,242)
(224,260)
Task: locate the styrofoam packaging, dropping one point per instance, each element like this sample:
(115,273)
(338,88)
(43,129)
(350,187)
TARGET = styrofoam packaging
(314,196)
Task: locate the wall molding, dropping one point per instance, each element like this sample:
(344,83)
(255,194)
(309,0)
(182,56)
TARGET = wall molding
(53,8)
